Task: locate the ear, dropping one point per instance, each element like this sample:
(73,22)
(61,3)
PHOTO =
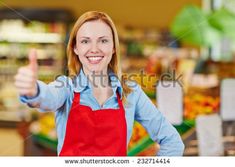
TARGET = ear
(75,50)
(113,51)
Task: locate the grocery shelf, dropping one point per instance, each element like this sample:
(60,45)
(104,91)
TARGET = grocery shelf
(140,146)
(45,141)
(43,29)
(41,14)
(185,126)
(31,37)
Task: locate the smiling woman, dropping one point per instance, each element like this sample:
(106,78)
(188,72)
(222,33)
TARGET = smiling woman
(95,112)
(94,46)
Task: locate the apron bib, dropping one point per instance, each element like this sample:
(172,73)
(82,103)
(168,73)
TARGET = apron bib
(95,133)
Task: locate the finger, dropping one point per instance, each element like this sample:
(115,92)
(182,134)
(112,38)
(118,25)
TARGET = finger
(33,64)
(25,92)
(25,71)
(23,85)
(24,78)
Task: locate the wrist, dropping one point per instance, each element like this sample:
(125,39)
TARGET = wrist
(35,93)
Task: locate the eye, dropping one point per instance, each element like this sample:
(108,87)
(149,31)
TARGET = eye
(104,40)
(84,41)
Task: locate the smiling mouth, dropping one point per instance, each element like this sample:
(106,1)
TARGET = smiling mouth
(94,59)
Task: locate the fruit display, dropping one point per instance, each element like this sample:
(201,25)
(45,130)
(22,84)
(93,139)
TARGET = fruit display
(138,133)
(199,104)
(150,150)
(145,80)
(44,126)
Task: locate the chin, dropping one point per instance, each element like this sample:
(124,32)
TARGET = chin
(95,70)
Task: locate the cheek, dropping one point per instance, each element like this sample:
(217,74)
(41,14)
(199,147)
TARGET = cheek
(82,50)
(109,56)
(82,58)
(108,50)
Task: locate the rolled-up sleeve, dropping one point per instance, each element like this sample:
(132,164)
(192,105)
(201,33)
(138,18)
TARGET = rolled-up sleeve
(50,96)
(159,129)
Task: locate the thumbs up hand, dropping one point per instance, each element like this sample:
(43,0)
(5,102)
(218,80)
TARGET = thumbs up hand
(26,77)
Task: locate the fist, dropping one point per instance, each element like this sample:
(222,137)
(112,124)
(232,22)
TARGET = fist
(26,77)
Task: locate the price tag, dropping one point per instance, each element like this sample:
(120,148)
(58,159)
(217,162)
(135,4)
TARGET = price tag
(227,95)
(209,135)
(170,101)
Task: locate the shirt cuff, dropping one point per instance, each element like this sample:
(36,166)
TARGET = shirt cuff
(34,99)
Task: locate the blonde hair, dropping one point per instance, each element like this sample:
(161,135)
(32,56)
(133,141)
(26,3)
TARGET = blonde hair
(74,64)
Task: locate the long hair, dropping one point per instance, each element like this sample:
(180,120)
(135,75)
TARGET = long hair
(74,64)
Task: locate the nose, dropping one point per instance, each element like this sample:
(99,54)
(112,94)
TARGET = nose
(94,48)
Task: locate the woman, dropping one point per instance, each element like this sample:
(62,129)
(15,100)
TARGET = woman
(95,107)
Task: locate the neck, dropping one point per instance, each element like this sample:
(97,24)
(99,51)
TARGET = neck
(98,79)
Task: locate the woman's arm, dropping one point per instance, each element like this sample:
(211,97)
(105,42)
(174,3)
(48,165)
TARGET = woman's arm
(50,96)
(159,129)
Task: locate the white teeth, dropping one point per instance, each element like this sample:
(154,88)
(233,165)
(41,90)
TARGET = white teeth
(95,58)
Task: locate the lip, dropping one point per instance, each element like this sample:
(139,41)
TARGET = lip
(94,59)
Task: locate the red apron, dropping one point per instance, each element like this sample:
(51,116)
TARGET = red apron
(95,133)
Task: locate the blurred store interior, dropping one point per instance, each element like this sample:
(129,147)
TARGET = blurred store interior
(193,40)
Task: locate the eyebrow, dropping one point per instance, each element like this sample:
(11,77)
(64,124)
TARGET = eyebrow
(103,37)
(99,37)
(85,37)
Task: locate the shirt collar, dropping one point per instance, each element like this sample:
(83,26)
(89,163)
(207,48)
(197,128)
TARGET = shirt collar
(81,82)
(115,83)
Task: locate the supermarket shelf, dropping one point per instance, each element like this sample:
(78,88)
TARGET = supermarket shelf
(41,14)
(45,30)
(228,141)
(13,116)
(8,123)
(45,141)
(140,146)
(151,95)
(185,127)
(31,37)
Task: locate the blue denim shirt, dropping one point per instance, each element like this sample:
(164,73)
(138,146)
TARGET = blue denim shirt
(58,96)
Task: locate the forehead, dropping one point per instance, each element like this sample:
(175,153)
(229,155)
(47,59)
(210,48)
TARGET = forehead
(95,28)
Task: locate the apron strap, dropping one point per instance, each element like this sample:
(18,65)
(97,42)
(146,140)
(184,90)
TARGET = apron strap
(76,98)
(119,101)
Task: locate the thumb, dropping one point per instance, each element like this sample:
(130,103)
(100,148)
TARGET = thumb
(33,65)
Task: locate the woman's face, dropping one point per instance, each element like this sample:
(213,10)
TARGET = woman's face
(94,46)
